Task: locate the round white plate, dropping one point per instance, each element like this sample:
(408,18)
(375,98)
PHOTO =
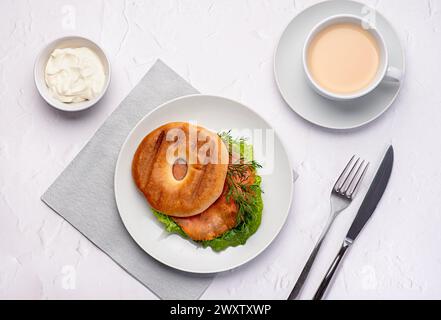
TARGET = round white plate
(303,99)
(217,114)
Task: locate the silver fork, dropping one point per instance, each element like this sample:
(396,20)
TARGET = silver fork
(342,194)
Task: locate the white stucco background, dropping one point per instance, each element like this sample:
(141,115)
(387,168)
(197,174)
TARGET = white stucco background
(222,47)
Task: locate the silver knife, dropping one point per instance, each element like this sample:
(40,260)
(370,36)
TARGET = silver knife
(367,207)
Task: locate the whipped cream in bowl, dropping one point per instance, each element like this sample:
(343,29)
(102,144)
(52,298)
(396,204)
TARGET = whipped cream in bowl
(72,73)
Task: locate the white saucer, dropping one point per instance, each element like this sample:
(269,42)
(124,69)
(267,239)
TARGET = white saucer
(303,99)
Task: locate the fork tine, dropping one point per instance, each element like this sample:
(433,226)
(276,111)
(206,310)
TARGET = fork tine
(345,184)
(350,193)
(338,183)
(351,183)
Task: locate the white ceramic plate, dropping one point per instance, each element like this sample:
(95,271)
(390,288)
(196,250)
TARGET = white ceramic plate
(217,114)
(303,99)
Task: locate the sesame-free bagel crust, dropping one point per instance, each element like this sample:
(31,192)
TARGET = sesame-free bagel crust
(207,163)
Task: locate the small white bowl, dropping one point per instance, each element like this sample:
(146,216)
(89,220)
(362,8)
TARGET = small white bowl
(40,66)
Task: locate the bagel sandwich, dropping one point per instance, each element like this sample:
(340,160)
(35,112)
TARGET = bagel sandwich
(236,211)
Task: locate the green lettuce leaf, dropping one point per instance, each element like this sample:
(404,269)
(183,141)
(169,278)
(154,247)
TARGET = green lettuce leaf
(169,224)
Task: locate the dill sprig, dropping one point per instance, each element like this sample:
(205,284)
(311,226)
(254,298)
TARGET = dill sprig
(239,173)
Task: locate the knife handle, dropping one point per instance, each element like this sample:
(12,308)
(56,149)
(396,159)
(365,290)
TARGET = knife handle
(331,271)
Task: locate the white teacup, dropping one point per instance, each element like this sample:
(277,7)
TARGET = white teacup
(385,72)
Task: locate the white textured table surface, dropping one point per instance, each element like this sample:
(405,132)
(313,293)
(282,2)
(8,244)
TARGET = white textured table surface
(224,48)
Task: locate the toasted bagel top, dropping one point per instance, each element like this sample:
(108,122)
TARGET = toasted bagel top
(191,191)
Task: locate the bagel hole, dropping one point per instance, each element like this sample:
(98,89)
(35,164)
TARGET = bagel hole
(179,169)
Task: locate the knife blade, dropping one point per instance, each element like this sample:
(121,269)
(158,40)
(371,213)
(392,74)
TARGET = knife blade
(373,195)
(368,206)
